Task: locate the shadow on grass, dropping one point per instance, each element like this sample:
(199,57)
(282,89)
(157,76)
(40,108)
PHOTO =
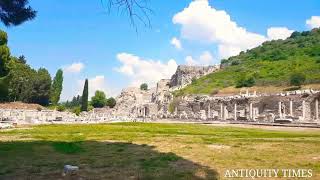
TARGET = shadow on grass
(96,160)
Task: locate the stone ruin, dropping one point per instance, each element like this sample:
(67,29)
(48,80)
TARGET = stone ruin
(133,104)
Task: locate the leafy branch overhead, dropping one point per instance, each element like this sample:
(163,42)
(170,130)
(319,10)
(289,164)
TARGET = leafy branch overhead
(15,12)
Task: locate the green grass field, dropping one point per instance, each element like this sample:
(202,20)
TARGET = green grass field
(152,151)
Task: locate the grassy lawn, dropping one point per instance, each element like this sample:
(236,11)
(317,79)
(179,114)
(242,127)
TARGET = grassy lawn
(152,151)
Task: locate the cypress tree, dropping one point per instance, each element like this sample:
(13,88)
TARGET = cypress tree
(85,94)
(56,87)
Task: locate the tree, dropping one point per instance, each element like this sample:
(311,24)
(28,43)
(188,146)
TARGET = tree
(41,87)
(85,94)
(144,86)
(99,99)
(4,60)
(15,12)
(4,54)
(111,102)
(21,82)
(297,79)
(56,87)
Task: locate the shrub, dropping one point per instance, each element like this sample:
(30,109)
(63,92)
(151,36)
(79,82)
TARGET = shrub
(245,82)
(61,108)
(99,99)
(76,110)
(144,86)
(297,79)
(111,102)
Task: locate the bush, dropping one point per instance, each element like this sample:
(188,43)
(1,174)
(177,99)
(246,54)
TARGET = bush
(111,102)
(245,82)
(297,79)
(144,86)
(76,110)
(99,99)
(61,108)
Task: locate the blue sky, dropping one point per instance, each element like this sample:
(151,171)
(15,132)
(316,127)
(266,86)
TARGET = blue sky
(87,42)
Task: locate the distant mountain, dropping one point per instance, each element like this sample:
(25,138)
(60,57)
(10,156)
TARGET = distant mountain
(293,61)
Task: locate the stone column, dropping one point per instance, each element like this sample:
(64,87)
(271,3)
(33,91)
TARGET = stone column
(317,109)
(291,108)
(225,113)
(250,111)
(209,112)
(235,111)
(221,111)
(280,113)
(303,110)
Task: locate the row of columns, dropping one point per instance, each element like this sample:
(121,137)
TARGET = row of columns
(303,109)
(223,110)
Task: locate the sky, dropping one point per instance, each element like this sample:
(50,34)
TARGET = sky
(87,41)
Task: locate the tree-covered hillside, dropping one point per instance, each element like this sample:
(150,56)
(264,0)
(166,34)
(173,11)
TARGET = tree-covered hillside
(294,61)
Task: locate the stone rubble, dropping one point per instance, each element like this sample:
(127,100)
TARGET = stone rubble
(133,104)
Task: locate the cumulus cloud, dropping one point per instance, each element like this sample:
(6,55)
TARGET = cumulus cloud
(176,43)
(74,68)
(202,22)
(204,59)
(275,33)
(199,21)
(141,70)
(313,22)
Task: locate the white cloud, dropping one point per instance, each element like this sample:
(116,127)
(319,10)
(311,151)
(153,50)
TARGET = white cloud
(204,23)
(74,68)
(145,70)
(204,59)
(176,43)
(313,22)
(275,33)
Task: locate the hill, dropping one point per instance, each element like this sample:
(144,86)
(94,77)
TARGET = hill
(281,63)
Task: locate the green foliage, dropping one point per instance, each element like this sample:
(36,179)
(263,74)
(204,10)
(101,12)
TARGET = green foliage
(273,63)
(111,102)
(27,85)
(144,86)
(245,82)
(85,94)
(3,89)
(15,12)
(61,108)
(77,110)
(99,99)
(41,87)
(56,87)
(297,79)
(4,54)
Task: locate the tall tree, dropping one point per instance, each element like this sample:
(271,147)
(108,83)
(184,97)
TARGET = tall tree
(4,60)
(4,54)
(41,87)
(85,94)
(56,87)
(15,12)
